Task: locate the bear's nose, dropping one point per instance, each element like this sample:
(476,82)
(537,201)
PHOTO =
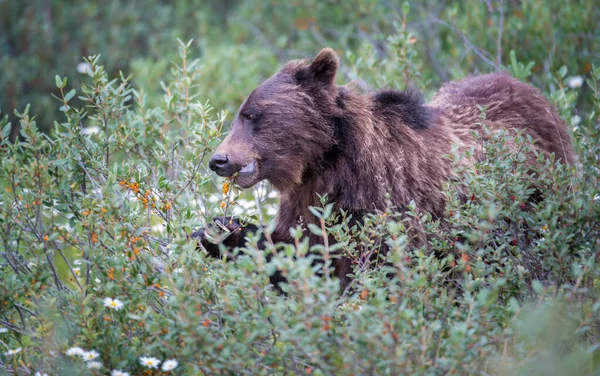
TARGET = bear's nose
(220,164)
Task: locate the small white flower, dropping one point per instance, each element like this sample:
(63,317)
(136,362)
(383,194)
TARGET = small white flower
(169,365)
(91,130)
(84,68)
(113,303)
(13,352)
(75,351)
(90,355)
(149,361)
(3,330)
(94,365)
(77,262)
(159,227)
(38,373)
(575,120)
(178,270)
(77,271)
(117,372)
(575,82)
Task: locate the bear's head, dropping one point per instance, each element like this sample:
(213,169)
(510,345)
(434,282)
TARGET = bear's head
(285,127)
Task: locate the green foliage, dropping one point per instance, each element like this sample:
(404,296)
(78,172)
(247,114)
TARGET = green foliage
(79,223)
(98,212)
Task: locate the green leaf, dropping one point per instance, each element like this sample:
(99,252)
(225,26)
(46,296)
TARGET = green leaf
(562,72)
(316,230)
(70,95)
(316,212)
(405,8)
(6,130)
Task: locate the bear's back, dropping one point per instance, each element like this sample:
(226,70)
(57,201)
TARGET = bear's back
(506,103)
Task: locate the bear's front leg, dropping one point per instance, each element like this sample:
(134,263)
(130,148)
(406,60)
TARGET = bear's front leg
(224,230)
(231,233)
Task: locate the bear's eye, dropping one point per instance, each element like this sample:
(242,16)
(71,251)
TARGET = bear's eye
(248,116)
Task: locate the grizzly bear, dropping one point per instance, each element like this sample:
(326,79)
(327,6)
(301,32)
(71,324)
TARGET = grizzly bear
(308,137)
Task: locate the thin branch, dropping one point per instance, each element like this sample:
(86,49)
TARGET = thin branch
(500,30)
(479,52)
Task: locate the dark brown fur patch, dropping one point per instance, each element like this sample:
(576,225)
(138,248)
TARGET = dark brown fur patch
(408,106)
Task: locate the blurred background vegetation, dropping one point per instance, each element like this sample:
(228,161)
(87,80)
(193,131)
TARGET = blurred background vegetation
(240,43)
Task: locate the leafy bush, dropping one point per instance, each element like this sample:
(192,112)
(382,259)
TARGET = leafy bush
(97,265)
(98,269)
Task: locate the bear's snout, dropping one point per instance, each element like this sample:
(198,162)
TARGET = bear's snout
(221,164)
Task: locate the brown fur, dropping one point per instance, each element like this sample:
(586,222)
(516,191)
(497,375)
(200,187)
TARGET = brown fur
(309,136)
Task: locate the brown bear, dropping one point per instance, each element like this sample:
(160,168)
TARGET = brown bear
(308,136)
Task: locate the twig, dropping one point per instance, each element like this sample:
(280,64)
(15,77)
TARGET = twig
(500,29)
(480,53)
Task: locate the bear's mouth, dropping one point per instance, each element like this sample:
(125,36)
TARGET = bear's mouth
(247,176)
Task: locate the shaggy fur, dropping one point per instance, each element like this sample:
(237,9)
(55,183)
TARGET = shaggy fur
(308,136)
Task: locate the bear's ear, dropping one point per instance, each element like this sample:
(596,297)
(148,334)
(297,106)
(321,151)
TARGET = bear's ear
(324,67)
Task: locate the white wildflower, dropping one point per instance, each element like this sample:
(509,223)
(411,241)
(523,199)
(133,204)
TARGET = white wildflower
(13,352)
(575,82)
(117,372)
(159,227)
(94,365)
(575,120)
(111,303)
(237,210)
(90,355)
(77,271)
(247,204)
(149,362)
(75,351)
(3,330)
(38,373)
(91,130)
(169,365)
(84,68)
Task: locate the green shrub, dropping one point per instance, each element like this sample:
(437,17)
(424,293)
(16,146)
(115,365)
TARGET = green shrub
(95,222)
